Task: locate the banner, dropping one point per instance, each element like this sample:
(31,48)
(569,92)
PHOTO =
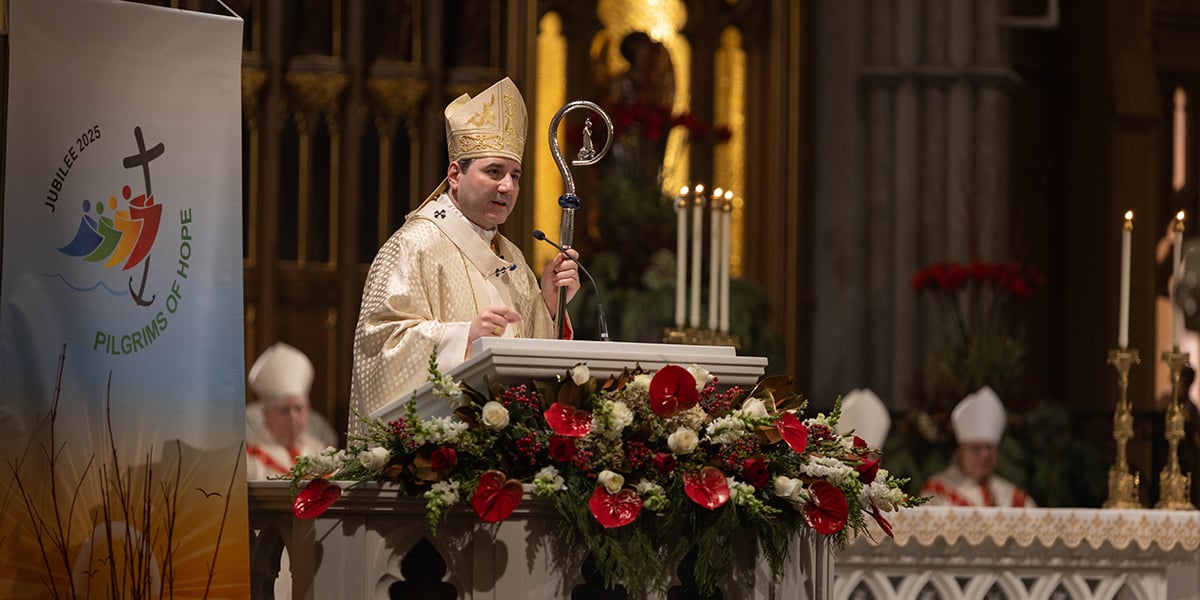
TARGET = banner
(121,367)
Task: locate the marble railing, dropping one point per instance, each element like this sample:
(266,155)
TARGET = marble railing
(373,543)
(946,553)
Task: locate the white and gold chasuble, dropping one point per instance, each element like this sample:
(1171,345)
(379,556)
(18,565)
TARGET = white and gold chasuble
(426,284)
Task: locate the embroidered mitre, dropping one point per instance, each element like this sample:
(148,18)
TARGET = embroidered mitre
(490,124)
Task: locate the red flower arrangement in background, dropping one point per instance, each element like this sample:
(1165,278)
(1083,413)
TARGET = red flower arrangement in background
(984,344)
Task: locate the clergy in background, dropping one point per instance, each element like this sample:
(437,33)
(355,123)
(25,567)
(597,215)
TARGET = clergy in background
(864,415)
(978,422)
(448,277)
(281,379)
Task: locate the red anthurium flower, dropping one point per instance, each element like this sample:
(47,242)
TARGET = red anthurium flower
(883,523)
(615,510)
(755,471)
(317,496)
(672,389)
(567,420)
(562,449)
(828,509)
(664,463)
(793,431)
(443,459)
(707,487)
(868,470)
(496,497)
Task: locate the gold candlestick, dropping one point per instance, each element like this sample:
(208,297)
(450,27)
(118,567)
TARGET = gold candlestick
(1173,485)
(1122,485)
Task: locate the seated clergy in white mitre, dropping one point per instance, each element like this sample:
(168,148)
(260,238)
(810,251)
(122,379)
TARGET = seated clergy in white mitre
(969,480)
(864,415)
(281,379)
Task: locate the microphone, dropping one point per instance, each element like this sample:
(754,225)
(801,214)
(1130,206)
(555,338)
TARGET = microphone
(538,234)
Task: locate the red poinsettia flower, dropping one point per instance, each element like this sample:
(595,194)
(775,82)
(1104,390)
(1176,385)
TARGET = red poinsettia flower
(562,449)
(664,463)
(317,496)
(792,431)
(567,420)
(496,497)
(707,487)
(828,509)
(443,459)
(615,510)
(755,471)
(867,470)
(672,389)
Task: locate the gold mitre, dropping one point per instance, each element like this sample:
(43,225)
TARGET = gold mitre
(490,124)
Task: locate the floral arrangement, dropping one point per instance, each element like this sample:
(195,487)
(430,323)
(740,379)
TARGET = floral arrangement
(642,467)
(983,344)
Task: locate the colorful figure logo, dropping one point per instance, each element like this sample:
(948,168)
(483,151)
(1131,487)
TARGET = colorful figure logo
(126,237)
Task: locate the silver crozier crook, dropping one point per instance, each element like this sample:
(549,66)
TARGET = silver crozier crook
(569,201)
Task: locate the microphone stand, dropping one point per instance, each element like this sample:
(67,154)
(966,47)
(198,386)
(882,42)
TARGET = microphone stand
(568,201)
(539,235)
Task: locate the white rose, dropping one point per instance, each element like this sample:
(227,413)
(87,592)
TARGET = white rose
(580,374)
(374,459)
(701,375)
(613,482)
(683,441)
(788,488)
(622,417)
(754,408)
(495,415)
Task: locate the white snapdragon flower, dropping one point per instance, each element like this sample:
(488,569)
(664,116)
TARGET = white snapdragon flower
(438,430)
(611,418)
(683,441)
(654,497)
(886,497)
(547,481)
(726,430)
(612,482)
(444,493)
(740,493)
(621,416)
(830,469)
(701,374)
(754,408)
(374,459)
(329,460)
(495,416)
(580,374)
(446,387)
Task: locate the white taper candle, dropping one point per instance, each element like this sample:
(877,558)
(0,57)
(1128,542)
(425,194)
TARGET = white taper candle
(1123,327)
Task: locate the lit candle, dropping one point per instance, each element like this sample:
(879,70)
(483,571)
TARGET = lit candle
(714,258)
(1123,328)
(697,229)
(681,235)
(1175,311)
(726,227)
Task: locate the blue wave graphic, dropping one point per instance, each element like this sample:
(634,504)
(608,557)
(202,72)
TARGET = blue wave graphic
(98,284)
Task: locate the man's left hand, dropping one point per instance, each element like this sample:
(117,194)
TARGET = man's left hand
(562,272)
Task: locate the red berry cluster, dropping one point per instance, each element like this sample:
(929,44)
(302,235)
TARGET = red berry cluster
(733,455)
(583,461)
(719,403)
(521,396)
(400,428)
(637,454)
(529,448)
